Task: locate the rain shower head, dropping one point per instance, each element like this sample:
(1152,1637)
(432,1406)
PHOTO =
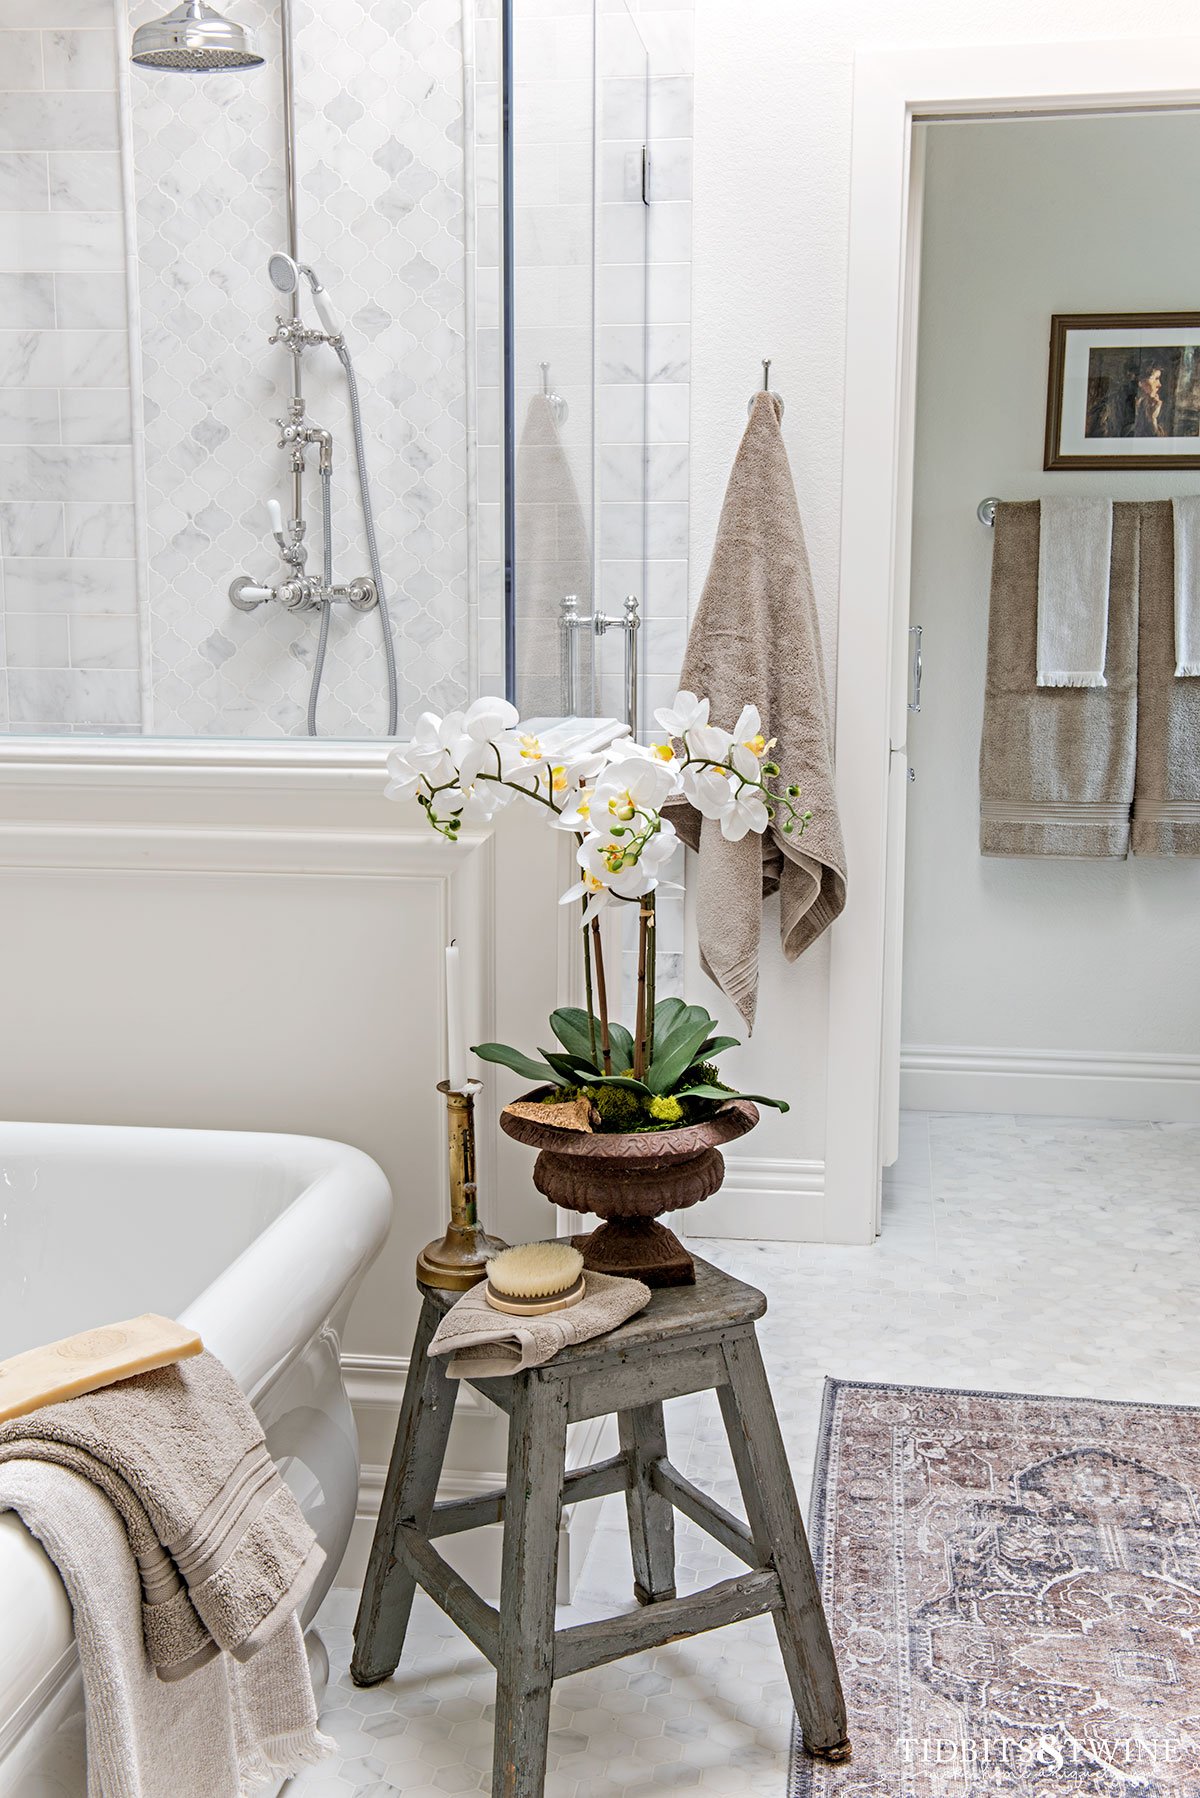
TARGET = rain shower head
(196,39)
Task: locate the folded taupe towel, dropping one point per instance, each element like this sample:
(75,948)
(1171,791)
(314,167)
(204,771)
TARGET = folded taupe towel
(1056,764)
(222,1547)
(1074,552)
(483,1342)
(1186,514)
(226,1731)
(1166,801)
(755,640)
(553,558)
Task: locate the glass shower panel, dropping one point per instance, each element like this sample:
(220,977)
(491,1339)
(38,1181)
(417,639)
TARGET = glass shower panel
(551,340)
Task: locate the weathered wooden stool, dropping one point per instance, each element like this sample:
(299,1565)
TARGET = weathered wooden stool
(687,1340)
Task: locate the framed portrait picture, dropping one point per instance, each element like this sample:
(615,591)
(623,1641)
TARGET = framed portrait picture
(1124,390)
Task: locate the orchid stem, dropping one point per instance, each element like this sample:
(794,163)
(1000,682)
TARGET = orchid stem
(639,1030)
(587,985)
(648,904)
(601,996)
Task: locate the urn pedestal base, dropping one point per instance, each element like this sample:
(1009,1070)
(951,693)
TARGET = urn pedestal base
(637,1248)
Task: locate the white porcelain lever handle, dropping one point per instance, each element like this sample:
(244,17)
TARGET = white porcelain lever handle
(275,515)
(326,313)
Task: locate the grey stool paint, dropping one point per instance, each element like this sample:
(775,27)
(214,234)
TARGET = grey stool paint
(689,1339)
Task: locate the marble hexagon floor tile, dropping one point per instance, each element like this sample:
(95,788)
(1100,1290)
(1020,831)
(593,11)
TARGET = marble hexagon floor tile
(1017,1254)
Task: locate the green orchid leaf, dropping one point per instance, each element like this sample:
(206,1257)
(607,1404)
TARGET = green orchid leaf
(571,1070)
(626,1081)
(717,1045)
(525,1065)
(677,1057)
(570,1025)
(621,1043)
(723,1093)
(666,1014)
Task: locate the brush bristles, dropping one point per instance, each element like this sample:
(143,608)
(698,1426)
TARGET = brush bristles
(535,1270)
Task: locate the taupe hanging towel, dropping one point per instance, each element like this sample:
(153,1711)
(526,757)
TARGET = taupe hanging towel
(553,558)
(755,639)
(1056,764)
(1166,804)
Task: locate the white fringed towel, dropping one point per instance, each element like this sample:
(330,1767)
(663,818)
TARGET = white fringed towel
(1074,553)
(1187,584)
(225,1731)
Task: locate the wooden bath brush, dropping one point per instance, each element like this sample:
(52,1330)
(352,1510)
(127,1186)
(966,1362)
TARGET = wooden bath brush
(534,1278)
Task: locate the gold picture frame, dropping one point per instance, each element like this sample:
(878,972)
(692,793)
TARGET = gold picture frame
(1123,378)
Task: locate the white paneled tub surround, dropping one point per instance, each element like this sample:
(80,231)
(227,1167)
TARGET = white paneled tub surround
(258,1242)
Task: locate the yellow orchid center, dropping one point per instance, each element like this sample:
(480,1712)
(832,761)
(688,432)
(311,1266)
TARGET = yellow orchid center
(584,808)
(622,807)
(664,751)
(759,745)
(531,748)
(593,885)
(614,857)
(558,779)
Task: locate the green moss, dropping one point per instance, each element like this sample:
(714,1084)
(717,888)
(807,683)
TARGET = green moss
(665,1110)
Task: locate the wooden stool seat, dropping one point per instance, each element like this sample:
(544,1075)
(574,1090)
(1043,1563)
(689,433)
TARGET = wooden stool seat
(689,1339)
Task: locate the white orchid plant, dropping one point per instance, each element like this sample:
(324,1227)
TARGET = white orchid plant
(463,768)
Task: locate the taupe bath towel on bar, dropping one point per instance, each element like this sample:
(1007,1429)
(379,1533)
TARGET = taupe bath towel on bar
(1166,805)
(1056,765)
(755,639)
(222,1547)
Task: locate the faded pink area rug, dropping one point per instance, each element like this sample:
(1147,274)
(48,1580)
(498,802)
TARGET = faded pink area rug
(1013,1585)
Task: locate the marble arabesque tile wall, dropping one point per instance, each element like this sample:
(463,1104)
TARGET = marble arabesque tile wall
(379,100)
(67,542)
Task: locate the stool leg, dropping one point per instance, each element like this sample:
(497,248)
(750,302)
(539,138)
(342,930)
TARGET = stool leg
(778,1531)
(537,1444)
(408,1497)
(643,1434)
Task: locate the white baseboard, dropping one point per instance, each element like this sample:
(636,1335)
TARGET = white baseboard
(376,1382)
(771,1200)
(1051,1082)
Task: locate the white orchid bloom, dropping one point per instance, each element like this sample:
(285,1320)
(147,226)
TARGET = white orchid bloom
(710,790)
(577,814)
(489,718)
(685,713)
(403,781)
(434,741)
(633,784)
(747,811)
(627,869)
(708,742)
(591,889)
(485,725)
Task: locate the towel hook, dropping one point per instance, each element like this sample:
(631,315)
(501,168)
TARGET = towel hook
(558,405)
(766,387)
(985,511)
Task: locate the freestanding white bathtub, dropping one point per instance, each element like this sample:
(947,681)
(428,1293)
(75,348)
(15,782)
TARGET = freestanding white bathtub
(256,1241)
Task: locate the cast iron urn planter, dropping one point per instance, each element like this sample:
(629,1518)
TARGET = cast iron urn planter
(628,1180)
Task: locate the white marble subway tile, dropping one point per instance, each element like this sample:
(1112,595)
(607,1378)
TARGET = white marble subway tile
(24,183)
(669,407)
(621,173)
(103,642)
(85,181)
(553,234)
(671,169)
(666,639)
(59,122)
(79,59)
(643,353)
(94,697)
(69,584)
(26,300)
(29,415)
(669,36)
(672,106)
(620,530)
(64,359)
(622,471)
(48,13)
(99,528)
(621,294)
(20,61)
(82,242)
(36,640)
(31,528)
(666,529)
(629,231)
(631,106)
(667,588)
(553,112)
(669,293)
(620,413)
(90,302)
(94,414)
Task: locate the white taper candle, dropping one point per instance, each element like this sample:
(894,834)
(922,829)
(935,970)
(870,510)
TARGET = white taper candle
(456,1029)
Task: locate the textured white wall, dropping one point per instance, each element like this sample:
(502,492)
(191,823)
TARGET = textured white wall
(1024,218)
(771,209)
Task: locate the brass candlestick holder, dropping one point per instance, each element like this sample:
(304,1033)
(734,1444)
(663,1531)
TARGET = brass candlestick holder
(460,1259)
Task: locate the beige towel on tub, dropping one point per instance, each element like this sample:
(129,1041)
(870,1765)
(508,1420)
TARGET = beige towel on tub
(483,1343)
(223,1550)
(1056,764)
(224,1731)
(1166,803)
(755,639)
